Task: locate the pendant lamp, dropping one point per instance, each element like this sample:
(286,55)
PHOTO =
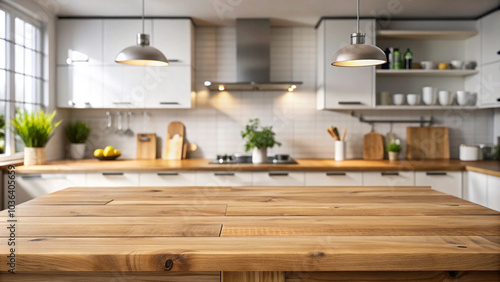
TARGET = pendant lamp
(142,54)
(358,54)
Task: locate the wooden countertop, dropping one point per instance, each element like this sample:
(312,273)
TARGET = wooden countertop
(93,165)
(253,231)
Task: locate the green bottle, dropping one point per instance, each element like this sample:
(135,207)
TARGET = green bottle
(396,61)
(408,59)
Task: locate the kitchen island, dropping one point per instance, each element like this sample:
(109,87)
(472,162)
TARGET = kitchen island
(252,234)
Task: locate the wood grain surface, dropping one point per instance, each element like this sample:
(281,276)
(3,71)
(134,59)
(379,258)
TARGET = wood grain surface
(254,234)
(75,166)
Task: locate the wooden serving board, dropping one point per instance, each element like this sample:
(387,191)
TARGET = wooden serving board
(373,146)
(146,146)
(427,143)
(174,144)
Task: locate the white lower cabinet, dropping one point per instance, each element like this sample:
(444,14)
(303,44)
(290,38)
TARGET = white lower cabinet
(276,178)
(334,178)
(493,199)
(389,178)
(475,190)
(167,178)
(449,182)
(30,186)
(113,179)
(223,178)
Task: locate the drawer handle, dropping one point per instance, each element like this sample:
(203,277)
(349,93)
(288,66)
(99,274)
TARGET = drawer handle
(122,103)
(169,103)
(435,173)
(112,173)
(224,173)
(278,174)
(389,173)
(350,103)
(31,176)
(167,173)
(336,174)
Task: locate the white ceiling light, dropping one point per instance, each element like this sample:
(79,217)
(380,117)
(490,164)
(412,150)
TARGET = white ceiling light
(358,54)
(142,54)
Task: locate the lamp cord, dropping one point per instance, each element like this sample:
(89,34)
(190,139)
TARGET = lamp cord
(143,16)
(357,22)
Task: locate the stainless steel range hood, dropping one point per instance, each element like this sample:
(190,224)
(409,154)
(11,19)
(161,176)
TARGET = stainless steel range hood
(253,60)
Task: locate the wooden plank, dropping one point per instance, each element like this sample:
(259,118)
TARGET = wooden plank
(358,209)
(115,230)
(284,253)
(118,210)
(381,276)
(255,276)
(112,276)
(87,201)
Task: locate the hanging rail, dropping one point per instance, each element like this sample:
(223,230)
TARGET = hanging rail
(421,121)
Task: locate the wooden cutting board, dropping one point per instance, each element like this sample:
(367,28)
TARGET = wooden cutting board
(146,146)
(427,143)
(373,146)
(174,144)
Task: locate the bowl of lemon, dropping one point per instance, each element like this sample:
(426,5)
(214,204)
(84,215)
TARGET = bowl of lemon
(107,154)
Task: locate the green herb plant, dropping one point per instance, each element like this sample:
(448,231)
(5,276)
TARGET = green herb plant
(258,136)
(394,147)
(78,132)
(35,129)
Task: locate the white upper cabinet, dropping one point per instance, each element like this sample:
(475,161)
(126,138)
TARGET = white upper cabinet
(168,87)
(119,34)
(80,41)
(175,38)
(490,85)
(343,87)
(490,41)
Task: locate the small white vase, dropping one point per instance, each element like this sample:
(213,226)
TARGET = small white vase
(34,155)
(393,156)
(76,151)
(259,156)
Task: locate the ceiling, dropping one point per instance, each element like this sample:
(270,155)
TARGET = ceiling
(281,12)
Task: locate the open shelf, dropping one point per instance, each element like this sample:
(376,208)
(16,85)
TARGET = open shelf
(426,34)
(419,72)
(425,107)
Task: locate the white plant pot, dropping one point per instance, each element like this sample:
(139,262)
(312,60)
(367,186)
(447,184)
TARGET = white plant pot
(34,156)
(76,151)
(259,156)
(393,156)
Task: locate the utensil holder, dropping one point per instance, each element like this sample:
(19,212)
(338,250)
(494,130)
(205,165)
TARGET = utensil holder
(339,150)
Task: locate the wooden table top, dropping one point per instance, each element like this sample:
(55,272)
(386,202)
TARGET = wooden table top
(253,229)
(93,165)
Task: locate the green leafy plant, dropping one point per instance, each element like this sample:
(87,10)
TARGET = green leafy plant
(257,136)
(78,132)
(394,147)
(35,129)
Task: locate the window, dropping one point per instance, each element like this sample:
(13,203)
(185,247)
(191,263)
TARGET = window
(21,77)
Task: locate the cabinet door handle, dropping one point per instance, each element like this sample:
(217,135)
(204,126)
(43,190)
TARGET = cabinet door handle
(112,173)
(278,174)
(169,103)
(350,103)
(122,103)
(31,176)
(167,173)
(389,173)
(336,174)
(498,52)
(435,173)
(224,173)
(498,99)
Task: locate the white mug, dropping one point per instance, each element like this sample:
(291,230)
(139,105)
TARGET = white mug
(413,99)
(462,97)
(427,65)
(429,95)
(444,97)
(398,99)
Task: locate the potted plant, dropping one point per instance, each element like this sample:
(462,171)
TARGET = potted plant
(77,133)
(258,139)
(394,149)
(35,130)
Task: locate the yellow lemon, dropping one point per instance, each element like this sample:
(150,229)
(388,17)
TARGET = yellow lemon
(109,151)
(99,153)
(117,152)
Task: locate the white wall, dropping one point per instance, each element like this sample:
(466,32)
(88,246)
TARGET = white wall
(217,118)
